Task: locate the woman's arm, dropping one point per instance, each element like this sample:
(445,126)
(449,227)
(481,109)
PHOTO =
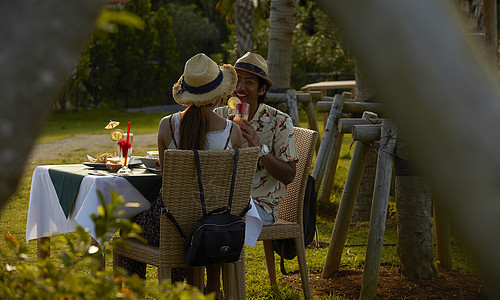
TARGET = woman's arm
(164,137)
(237,139)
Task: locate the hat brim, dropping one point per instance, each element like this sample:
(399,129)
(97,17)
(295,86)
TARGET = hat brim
(227,86)
(256,74)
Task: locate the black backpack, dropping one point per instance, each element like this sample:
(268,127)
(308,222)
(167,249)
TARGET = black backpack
(286,248)
(219,235)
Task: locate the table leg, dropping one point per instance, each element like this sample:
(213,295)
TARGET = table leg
(43,247)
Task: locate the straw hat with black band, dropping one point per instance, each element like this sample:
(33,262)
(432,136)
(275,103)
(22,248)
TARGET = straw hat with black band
(204,82)
(255,64)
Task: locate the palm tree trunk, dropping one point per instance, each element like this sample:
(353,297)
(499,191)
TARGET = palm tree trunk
(414,207)
(244,20)
(363,204)
(281,25)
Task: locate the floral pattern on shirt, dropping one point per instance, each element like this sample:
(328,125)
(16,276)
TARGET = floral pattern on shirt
(274,129)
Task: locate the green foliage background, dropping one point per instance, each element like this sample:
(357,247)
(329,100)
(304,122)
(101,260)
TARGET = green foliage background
(125,65)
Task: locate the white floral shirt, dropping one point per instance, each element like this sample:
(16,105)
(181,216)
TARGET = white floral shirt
(274,129)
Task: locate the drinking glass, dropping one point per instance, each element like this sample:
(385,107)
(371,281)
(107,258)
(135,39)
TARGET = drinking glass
(125,153)
(242,109)
(231,105)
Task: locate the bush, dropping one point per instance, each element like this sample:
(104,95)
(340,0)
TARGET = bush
(58,279)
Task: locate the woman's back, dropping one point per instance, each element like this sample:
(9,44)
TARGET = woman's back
(218,139)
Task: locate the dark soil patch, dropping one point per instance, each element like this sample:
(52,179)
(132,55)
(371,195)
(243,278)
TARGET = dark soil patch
(393,285)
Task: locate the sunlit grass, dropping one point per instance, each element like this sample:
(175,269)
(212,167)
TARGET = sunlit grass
(64,124)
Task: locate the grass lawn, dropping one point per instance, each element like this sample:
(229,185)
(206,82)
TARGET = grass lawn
(13,216)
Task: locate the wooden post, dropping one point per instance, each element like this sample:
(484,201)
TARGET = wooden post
(333,158)
(329,176)
(305,100)
(349,195)
(329,139)
(443,244)
(383,178)
(291,100)
(346,124)
(351,107)
(366,133)
(291,103)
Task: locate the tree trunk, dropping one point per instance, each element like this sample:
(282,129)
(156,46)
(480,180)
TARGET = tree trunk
(490,22)
(364,86)
(245,21)
(281,25)
(429,93)
(35,59)
(363,205)
(414,207)
(481,22)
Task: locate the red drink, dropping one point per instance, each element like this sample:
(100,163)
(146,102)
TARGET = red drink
(243,110)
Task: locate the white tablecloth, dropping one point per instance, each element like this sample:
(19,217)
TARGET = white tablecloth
(46,216)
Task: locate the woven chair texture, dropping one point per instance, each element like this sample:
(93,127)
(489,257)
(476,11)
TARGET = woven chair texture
(290,223)
(180,193)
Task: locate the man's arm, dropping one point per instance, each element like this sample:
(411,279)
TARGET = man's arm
(281,170)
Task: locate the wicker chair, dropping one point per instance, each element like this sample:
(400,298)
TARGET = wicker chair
(181,196)
(290,223)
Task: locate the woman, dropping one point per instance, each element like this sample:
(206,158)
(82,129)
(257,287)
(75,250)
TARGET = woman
(202,86)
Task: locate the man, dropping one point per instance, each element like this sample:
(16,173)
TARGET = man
(269,129)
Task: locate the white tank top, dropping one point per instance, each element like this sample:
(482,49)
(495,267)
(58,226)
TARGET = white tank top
(216,140)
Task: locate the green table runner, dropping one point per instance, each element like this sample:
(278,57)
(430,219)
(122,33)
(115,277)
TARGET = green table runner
(67,179)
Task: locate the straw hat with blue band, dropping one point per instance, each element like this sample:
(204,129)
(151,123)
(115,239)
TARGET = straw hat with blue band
(255,64)
(204,82)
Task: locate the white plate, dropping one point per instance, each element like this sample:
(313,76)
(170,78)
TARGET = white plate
(134,162)
(100,166)
(149,162)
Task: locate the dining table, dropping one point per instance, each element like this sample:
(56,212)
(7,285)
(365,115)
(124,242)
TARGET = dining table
(63,197)
(325,86)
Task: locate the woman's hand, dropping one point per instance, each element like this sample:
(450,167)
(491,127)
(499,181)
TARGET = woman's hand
(249,133)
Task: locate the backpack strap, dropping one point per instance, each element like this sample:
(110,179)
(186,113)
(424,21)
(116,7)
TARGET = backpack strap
(172,131)
(165,210)
(233,178)
(200,182)
(229,137)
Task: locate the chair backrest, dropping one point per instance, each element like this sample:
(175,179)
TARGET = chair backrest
(291,208)
(181,196)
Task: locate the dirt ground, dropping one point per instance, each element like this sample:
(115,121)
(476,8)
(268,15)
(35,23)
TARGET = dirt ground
(393,285)
(94,145)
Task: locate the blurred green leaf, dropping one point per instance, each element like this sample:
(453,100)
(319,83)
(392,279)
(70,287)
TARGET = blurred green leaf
(108,19)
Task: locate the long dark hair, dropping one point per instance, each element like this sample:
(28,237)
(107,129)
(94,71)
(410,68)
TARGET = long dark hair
(193,128)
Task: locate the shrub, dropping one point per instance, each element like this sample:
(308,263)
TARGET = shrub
(59,278)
